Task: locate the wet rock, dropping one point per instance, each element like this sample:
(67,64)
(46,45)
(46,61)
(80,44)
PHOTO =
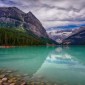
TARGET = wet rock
(0,82)
(2,76)
(9,71)
(55,84)
(17,79)
(12,84)
(11,81)
(26,75)
(5,83)
(4,79)
(23,83)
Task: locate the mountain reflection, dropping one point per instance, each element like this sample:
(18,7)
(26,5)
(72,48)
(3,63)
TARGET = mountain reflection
(59,56)
(64,65)
(24,59)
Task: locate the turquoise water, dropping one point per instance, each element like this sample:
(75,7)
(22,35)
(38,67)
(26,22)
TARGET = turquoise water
(62,65)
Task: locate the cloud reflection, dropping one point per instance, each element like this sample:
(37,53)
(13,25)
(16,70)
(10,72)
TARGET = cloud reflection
(60,57)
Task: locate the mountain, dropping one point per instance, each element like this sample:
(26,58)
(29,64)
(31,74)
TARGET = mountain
(12,37)
(21,28)
(59,35)
(13,17)
(35,25)
(76,38)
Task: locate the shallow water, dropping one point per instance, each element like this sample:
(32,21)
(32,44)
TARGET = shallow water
(62,65)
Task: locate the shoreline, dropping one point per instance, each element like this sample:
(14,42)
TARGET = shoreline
(9,77)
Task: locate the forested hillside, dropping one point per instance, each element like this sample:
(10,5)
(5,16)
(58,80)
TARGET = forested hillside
(10,36)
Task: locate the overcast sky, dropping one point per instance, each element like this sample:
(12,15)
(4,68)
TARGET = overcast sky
(53,13)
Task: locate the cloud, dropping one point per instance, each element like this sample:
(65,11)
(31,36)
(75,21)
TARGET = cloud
(52,13)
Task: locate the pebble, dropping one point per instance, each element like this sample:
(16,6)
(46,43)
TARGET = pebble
(4,79)
(24,83)
(2,76)
(9,71)
(12,84)
(0,82)
(10,81)
(55,84)
(5,83)
(17,79)
(25,75)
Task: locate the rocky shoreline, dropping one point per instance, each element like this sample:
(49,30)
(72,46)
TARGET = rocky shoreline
(8,77)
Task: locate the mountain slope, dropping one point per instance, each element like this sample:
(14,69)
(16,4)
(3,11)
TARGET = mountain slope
(13,17)
(12,37)
(35,25)
(76,38)
(59,35)
(19,28)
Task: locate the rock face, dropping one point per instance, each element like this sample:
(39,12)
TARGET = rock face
(76,38)
(59,35)
(12,17)
(35,25)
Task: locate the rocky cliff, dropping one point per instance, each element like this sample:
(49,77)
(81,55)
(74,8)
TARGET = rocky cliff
(76,38)
(12,17)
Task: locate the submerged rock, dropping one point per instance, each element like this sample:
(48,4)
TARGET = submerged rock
(4,79)
(17,79)
(12,84)
(23,83)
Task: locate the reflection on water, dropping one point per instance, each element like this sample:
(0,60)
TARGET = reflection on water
(62,65)
(23,59)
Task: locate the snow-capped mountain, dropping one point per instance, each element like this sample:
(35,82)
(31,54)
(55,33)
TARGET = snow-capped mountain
(59,35)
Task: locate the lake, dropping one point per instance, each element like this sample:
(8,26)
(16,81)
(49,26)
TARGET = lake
(63,65)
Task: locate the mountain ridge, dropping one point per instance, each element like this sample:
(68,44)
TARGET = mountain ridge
(76,38)
(26,25)
(21,19)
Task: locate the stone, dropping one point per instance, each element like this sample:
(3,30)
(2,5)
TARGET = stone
(23,83)
(9,71)
(4,79)
(12,84)
(2,76)
(5,83)
(0,82)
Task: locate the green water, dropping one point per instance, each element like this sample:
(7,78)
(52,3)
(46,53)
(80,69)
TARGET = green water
(62,65)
